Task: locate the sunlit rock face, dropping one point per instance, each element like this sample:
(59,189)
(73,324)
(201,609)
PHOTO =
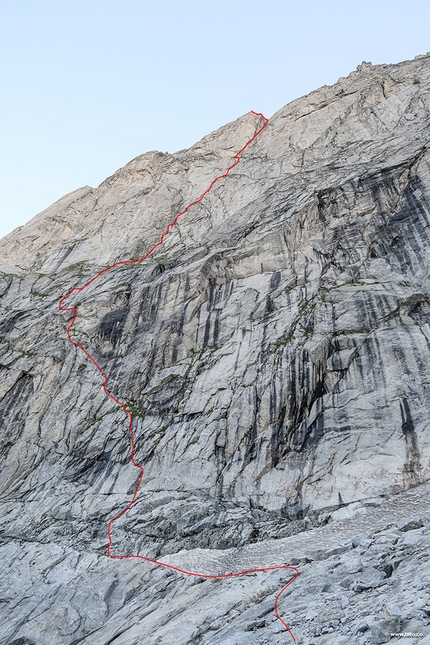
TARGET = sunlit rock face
(275,350)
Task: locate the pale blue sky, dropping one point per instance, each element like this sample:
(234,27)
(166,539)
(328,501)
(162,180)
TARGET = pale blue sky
(87,85)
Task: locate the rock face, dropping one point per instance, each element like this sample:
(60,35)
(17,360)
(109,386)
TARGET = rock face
(275,352)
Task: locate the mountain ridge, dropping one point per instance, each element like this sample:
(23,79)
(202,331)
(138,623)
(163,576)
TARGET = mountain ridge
(274,353)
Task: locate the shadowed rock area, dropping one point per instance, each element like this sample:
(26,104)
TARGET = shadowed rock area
(275,353)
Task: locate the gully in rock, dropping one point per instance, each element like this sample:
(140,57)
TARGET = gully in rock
(62,307)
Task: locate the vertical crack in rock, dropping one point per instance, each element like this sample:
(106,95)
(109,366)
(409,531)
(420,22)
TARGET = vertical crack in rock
(412,467)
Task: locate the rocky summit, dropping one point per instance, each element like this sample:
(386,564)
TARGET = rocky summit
(275,354)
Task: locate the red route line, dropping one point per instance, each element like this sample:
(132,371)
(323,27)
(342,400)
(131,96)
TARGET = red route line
(130,415)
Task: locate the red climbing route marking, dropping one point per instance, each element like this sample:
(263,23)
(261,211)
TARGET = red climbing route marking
(130,415)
